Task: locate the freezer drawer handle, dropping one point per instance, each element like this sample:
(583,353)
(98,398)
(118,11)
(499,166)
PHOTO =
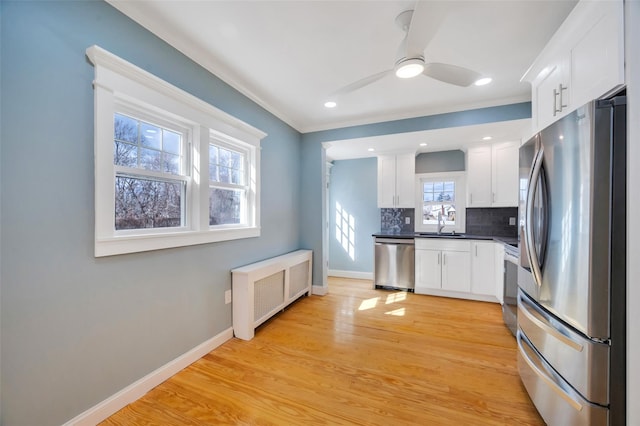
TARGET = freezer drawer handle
(539,370)
(538,319)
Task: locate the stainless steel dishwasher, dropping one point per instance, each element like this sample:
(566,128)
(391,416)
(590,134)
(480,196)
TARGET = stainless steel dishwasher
(394,263)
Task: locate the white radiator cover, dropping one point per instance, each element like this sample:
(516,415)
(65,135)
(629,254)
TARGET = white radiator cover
(262,289)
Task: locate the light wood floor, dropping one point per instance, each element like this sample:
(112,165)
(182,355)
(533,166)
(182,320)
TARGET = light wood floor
(356,356)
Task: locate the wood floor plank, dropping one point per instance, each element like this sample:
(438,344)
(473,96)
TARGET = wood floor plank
(355,356)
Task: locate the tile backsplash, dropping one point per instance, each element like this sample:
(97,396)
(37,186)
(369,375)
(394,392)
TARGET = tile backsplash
(394,220)
(492,221)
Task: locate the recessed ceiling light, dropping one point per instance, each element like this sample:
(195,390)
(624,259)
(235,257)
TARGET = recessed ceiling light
(486,138)
(483,81)
(370,149)
(330,104)
(423,144)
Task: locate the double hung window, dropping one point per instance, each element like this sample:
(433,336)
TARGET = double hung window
(440,202)
(171,170)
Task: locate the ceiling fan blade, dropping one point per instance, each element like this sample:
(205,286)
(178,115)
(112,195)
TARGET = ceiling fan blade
(425,22)
(359,84)
(451,74)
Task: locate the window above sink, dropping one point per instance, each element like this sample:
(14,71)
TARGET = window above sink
(440,197)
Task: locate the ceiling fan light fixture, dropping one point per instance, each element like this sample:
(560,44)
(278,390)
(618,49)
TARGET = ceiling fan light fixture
(483,81)
(410,68)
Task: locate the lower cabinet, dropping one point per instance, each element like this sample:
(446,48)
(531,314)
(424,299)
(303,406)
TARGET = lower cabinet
(483,272)
(442,264)
(456,268)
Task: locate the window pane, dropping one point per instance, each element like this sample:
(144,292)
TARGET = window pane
(125,154)
(236,160)
(438,186)
(125,128)
(171,142)
(225,157)
(449,186)
(213,173)
(236,176)
(150,135)
(150,159)
(143,203)
(428,196)
(224,174)
(448,196)
(428,187)
(171,164)
(224,206)
(213,154)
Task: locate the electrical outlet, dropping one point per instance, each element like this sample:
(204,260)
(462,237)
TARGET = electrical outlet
(407,220)
(227,297)
(512,221)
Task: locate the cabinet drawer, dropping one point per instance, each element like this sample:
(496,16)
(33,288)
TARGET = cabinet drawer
(442,244)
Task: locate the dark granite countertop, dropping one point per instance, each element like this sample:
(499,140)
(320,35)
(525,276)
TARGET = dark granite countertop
(408,235)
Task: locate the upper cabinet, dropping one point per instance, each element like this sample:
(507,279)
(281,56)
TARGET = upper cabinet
(492,175)
(584,60)
(396,181)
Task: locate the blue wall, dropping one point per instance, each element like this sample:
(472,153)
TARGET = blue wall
(354,188)
(76,329)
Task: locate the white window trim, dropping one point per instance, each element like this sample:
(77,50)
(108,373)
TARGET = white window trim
(461,205)
(118,82)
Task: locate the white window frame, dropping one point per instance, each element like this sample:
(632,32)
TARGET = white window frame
(120,86)
(460,181)
(250,154)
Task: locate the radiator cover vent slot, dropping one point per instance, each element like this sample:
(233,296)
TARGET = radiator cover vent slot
(268,294)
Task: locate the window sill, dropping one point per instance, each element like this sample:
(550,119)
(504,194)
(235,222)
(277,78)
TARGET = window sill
(138,243)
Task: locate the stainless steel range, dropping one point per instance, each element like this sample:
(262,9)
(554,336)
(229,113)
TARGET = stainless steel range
(510,282)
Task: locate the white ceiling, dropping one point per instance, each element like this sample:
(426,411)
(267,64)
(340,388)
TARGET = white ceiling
(289,56)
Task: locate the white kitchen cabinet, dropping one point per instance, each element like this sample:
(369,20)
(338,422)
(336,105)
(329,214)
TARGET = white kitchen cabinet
(461,268)
(504,174)
(483,272)
(492,175)
(584,60)
(428,270)
(479,191)
(396,181)
(442,265)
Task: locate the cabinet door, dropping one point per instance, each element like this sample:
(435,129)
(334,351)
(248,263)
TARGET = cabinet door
(386,181)
(405,180)
(428,270)
(597,59)
(552,94)
(479,177)
(483,268)
(455,271)
(505,174)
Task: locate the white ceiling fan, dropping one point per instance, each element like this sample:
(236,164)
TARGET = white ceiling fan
(420,25)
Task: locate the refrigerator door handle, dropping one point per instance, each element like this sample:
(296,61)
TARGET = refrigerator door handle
(537,365)
(530,238)
(540,319)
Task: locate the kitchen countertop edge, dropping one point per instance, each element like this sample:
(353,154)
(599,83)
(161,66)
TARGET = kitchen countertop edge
(409,235)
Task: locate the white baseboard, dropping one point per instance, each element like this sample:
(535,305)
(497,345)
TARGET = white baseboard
(134,391)
(350,274)
(319,290)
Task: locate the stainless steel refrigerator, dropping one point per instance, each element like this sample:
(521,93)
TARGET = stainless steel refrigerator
(571,278)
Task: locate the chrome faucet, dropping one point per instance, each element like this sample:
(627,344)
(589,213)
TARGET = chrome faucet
(440,225)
